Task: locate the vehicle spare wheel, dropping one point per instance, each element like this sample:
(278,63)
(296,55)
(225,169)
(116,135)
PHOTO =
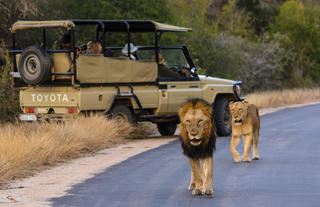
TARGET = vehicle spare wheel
(35,65)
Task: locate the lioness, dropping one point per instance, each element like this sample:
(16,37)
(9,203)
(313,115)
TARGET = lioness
(198,143)
(245,122)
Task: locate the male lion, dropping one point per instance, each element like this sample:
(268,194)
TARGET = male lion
(245,122)
(198,142)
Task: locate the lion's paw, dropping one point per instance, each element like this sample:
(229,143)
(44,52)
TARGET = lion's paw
(257,157)
(208,192)
(237,159)
(196,192)
(246,159)
(192,186)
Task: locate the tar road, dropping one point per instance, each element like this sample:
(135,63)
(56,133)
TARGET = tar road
(287,175)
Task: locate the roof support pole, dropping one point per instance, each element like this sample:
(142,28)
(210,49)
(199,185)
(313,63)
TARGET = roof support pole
(102,35)
(74,49)
(13,41)
(15,69)
(129,38)
(156,50)
(44,37)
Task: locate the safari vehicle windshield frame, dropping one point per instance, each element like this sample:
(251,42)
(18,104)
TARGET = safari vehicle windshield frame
(102,28)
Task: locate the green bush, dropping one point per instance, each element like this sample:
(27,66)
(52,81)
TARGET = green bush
(9,105)
(301,25)
(259,65)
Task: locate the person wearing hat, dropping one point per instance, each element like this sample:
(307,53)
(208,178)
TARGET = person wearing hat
(65,42)
(133,50)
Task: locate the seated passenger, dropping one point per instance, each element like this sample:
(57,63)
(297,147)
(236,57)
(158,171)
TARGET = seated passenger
(65,42)
(94,48)
(133,49)
(163,70)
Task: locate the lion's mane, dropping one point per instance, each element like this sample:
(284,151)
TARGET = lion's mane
(207,146)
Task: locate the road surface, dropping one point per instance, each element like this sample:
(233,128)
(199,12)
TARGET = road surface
(288,173)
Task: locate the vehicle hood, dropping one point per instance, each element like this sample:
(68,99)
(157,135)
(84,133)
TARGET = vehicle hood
(211,80)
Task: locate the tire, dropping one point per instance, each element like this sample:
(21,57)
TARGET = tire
(222,117)
(121,112)
(167,128)
(35,65)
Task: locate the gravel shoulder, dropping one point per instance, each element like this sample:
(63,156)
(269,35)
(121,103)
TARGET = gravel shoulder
(35,191)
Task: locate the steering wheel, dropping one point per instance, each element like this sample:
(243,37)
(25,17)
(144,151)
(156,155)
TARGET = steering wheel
(175,68)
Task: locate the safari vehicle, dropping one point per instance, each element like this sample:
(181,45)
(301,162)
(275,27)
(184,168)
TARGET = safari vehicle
(57,83)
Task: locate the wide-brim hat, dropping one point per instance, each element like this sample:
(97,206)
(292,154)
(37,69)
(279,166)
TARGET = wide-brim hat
(132,48)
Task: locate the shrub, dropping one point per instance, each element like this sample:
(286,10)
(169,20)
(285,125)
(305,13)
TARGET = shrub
(9,105)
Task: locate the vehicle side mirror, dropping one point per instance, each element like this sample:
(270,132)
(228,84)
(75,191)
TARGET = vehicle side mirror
(193,70)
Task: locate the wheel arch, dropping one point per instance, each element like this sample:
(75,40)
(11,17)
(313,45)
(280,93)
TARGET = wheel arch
(129,101)
(223,95)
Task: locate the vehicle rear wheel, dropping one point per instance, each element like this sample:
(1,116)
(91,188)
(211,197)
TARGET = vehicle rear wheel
(120,111)
(167,128)
(222,117)
(35,65)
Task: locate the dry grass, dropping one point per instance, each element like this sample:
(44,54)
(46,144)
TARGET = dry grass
(271,99)
(144,129)
(26,148)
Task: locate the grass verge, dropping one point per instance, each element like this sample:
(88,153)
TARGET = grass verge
(28,147)
(270,99)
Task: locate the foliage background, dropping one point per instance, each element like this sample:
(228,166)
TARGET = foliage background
(267,44)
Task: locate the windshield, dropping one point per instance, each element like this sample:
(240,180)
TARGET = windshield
(173,57)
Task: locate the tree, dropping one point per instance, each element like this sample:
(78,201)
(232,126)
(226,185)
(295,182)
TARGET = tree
(261,12)
(13,10)
(301,25)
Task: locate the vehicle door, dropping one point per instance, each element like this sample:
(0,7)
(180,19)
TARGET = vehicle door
(182,85)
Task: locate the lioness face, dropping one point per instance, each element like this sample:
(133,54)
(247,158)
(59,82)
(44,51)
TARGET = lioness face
(239,111)
(195,122)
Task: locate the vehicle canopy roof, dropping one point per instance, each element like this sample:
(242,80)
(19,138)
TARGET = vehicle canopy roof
(108,25)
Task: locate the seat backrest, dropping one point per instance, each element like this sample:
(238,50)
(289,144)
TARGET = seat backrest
(17,60)
(62,63)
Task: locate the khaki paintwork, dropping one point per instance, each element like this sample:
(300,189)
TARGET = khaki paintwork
(84,99)
(100,69)
(162,101)
(21,25)
(97,69)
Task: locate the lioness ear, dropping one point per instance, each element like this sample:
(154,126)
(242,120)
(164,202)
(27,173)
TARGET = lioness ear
(246,103)
(230,103)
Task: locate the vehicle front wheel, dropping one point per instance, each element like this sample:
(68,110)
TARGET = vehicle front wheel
(167,128)
(222,117)
(120,111)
